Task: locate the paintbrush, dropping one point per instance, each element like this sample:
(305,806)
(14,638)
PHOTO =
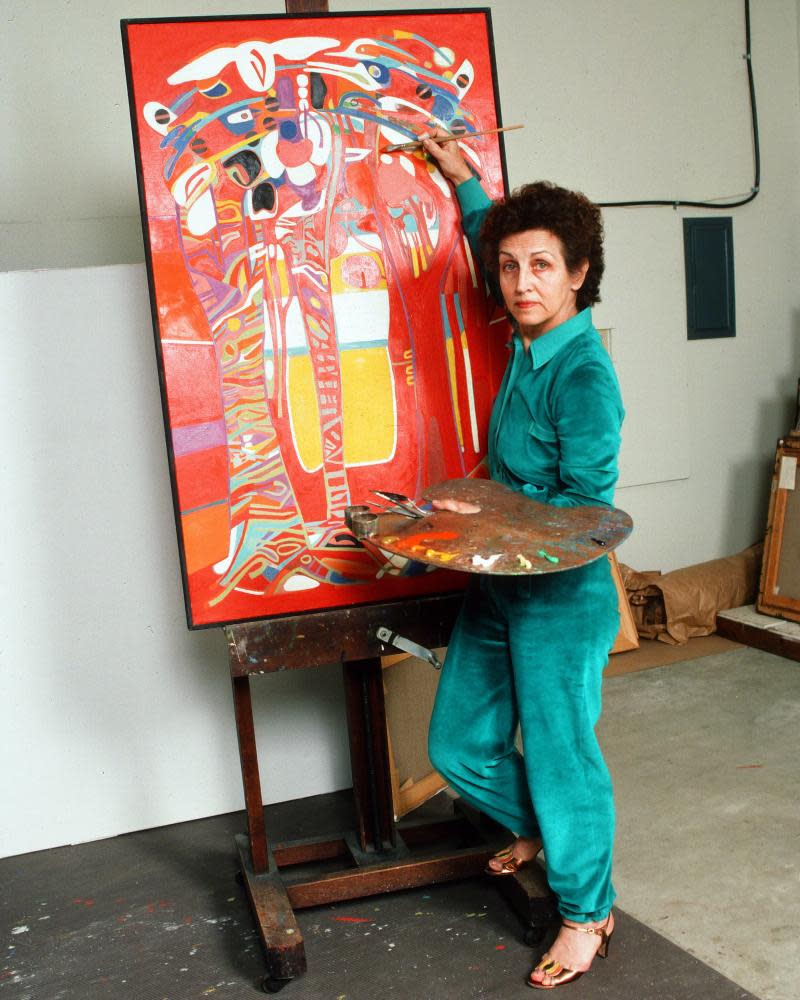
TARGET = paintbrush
(417,143)
(394,509)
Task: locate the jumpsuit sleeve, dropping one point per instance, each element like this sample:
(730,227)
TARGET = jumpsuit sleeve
(588,419)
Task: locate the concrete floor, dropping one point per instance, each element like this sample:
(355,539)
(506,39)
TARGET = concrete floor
(704,755)
(705,762)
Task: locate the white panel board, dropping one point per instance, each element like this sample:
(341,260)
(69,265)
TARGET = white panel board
(113,716)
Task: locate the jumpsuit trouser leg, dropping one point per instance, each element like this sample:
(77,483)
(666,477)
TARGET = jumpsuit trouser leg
(531,651)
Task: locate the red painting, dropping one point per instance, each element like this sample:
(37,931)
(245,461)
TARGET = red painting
(322,327)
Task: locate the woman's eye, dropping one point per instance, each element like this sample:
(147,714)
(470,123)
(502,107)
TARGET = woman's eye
(541,265)
(509,267)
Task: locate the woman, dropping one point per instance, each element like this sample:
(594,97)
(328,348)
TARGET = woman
(530,650)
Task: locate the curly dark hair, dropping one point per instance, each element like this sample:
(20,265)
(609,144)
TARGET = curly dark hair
(569,215)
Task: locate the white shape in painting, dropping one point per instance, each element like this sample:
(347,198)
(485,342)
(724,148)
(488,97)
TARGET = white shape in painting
(318,131)
(352,155)
(473,416)
(392,136)
(362,317)
(254,60)
(189,185)
(441,183)
(432,220)
(269,154)
(468,70)
(406,164)
(256,64)
(211,64)
(295,328)
(202,216)
(355,74)
(300,582)
(303,173)
(470,261)
(443,56)
(222,567)
(399,104)
(151,113)
(239,117)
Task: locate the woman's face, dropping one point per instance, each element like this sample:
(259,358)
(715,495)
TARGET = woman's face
(539,291)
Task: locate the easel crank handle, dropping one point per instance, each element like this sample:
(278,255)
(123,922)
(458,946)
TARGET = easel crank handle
(386,635)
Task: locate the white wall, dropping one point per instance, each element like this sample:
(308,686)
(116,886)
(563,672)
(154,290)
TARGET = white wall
(113,716)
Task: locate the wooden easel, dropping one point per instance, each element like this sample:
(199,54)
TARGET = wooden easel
(376,855)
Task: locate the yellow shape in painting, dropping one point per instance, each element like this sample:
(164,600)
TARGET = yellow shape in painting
(368,403)
(414,262)
(281,288)
(304,412)
(451,368)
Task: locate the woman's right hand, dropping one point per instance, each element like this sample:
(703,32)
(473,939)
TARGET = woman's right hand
(447,156)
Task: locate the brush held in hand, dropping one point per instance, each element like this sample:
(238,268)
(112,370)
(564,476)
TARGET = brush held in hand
(417,143)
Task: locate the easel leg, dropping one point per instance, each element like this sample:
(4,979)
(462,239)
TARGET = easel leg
(280,934)
(248,755)
(277,926)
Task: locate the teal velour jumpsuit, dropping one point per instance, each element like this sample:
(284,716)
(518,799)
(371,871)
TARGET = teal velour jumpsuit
(530,650)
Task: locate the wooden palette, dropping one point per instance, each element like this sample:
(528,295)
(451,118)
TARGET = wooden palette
(511,535)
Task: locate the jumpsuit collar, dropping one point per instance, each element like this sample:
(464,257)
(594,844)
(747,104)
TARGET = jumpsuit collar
(549,344)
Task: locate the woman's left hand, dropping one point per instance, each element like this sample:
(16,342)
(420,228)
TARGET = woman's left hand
(447,156)
(457,506)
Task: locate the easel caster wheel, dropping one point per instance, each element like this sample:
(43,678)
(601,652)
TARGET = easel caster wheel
(533,935)
(269,985)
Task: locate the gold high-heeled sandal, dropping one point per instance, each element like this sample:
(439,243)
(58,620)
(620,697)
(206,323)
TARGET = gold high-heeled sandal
(509,864)
(560,974)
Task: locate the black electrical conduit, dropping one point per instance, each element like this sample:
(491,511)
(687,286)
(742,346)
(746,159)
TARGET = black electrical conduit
(675,202)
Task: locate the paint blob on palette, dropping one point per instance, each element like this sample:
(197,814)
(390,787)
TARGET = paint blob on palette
(509,534)
(321,322)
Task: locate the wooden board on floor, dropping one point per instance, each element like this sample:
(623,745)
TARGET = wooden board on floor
(652,653)
(410,689)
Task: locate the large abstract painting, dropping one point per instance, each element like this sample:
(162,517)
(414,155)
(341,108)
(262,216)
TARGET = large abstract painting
(322,327)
